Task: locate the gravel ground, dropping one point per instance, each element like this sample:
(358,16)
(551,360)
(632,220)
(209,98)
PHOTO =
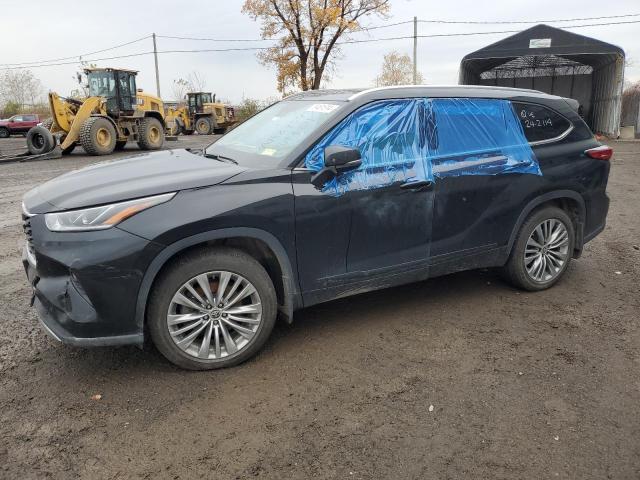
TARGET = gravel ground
(456,377)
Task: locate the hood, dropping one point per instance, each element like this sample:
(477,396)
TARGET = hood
(132,177)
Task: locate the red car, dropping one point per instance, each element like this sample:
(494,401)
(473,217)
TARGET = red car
(20,123)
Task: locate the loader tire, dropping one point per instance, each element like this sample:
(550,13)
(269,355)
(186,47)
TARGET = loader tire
(40,140)
(150,134)
(203,126)
(175,130)
(98,136)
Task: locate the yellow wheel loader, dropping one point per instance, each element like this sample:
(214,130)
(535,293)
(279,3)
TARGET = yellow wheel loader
(114,113)
(202,114)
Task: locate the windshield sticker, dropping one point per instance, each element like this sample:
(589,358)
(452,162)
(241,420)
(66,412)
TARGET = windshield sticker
(268,151)
(322,107)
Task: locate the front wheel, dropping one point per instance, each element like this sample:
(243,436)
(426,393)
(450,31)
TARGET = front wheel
(204,126)
(212,309)
(542,251)
(4,132)
(150,134)
(98,136)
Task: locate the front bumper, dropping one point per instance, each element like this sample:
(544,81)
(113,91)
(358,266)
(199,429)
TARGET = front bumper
(85,284)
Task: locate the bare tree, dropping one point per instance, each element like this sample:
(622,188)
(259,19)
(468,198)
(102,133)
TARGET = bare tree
(20,87)
(307,32)
(179,89)
(397,69)
(195,82)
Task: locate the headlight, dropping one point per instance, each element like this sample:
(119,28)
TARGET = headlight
(100,218)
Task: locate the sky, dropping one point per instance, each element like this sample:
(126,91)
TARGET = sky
(69,28)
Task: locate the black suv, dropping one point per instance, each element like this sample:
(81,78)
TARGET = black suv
(322,195)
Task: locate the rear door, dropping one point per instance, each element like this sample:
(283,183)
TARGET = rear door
(371,227)
(486,170)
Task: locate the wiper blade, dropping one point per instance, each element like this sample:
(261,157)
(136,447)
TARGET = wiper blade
(221,158)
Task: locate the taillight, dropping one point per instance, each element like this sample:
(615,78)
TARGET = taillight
(603,152)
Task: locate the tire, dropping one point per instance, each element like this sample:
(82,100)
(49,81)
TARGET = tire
(98,136)
(40,140)
(204,126)
(120,144)
(213,262)
(4,133)
(175,130)
(220,131)
(150,134)
(546,219)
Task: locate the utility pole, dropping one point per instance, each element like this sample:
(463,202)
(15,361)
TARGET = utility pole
(415,50)
(155,56)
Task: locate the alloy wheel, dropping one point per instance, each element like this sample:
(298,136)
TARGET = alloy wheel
(214,315)
(547,251)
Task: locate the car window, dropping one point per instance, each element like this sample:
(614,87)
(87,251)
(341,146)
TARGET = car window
(476,136)
(540,123)
(390,137)
(29,118)
(17,118)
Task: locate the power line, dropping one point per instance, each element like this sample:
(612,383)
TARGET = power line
(467,22)
(345,42)
(76,62)
(78,56)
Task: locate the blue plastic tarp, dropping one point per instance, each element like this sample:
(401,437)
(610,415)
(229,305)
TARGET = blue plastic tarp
(424,139)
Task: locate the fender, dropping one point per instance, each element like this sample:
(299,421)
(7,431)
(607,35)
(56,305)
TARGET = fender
(289,280)
(556,194)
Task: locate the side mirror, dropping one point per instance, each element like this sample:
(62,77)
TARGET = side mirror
(342,158)
(337,160)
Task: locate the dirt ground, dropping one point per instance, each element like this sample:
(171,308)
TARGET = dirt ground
(456,377)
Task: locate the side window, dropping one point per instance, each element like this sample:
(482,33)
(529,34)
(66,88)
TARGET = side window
(540,123)
(390,137)
(17,118)
(476,136)
(29,118)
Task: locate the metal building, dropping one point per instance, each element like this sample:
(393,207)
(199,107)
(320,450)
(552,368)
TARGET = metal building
(559,62)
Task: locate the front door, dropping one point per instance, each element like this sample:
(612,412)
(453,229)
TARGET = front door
(372,227)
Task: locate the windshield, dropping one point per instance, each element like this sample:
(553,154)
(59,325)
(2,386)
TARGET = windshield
(273,133)
(101,84)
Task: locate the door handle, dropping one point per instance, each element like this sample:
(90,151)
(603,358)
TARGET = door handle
(417,185)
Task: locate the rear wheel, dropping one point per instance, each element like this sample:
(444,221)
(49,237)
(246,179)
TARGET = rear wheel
(40,140)
(212,309)
(150,134)
(542,251)
(98,136)
(204,126)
